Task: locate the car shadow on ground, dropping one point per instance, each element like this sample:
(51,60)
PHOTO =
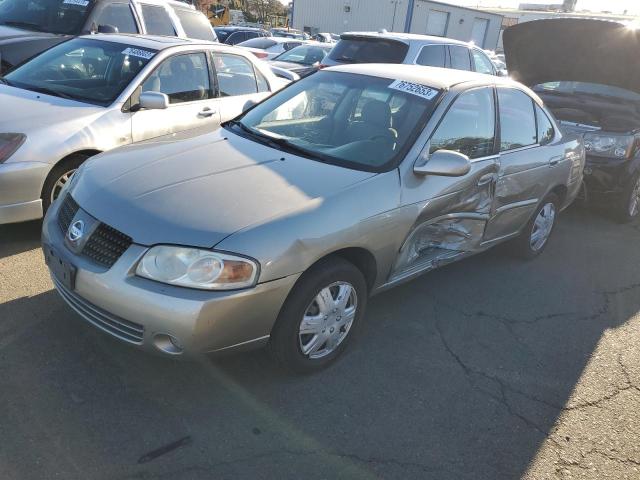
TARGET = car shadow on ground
(459,374)
(19,237)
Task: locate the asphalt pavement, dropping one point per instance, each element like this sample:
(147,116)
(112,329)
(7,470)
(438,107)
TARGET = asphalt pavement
(491,368)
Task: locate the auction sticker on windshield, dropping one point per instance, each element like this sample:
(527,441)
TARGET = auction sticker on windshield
(414,89)
(81,3)
(136,52)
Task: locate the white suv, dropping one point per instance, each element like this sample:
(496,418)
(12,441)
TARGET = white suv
(386,47)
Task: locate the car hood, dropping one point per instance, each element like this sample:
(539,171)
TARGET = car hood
(11,33)
(572,49)
(197,189)
(31,111)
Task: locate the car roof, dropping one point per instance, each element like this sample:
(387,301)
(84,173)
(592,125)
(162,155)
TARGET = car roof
(440,78)
(155,42)
(405,37)
(234,28)
(285,39)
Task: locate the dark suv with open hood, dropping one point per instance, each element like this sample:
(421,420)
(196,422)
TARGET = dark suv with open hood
(588,74)
(30,27)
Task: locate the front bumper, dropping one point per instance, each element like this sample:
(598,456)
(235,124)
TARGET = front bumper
(606,179)
(20,190)
(146,314)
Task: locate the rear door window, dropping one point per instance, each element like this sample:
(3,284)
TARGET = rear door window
(235,74)
(157,21)
(195,25)
(432,56)
(118,15)
(356,50)
(481,63)
(517,119)
(459,57)
(546,132)
(469,125)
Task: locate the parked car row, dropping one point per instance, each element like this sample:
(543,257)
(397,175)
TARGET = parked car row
(30,27)
(198,204)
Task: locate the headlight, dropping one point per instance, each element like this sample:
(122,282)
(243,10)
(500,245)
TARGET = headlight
(196,268)
(9,143)
(616,146)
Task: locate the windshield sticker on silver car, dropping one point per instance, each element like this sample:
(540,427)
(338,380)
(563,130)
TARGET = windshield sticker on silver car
(136,52)
(414,89)
(82,3)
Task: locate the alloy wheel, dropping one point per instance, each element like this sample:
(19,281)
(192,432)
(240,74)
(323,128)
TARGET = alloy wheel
(328,320)
(60,183)
(542,226)
(634,201)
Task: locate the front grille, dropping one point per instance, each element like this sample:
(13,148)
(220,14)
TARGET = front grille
(118,327)
(68,210)
(105,245)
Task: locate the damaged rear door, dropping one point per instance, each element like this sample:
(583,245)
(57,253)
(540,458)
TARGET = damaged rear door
(452,212)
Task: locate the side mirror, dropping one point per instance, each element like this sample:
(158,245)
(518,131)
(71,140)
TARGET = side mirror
(107,29)
(443,163)
(249,104)
(286,74)
(503,73)
(154,101)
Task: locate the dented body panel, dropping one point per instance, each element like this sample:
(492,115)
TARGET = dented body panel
(288,212)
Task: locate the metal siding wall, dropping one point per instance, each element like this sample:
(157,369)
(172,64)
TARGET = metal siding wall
(455,29)
(365,15)
(371,15)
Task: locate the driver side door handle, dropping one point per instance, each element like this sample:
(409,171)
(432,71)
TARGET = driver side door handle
(206,112)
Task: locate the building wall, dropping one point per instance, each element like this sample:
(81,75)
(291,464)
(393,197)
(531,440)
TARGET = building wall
(460,22)
(332,15)
(338,16)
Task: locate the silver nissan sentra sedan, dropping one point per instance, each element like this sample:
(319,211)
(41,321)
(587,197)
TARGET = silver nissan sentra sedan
(276,228)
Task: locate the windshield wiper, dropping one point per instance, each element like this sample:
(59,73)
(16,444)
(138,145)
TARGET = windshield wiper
(275,142)
(27,25)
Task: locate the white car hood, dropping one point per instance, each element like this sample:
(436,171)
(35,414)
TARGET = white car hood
(24,111)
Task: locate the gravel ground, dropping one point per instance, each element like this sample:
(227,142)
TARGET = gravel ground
(491,368)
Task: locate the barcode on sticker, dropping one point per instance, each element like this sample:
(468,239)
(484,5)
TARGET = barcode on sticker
(414,89)
(136,52)
(82,3)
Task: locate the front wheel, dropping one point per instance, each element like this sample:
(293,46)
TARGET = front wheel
(535,236)
(629,205)
(58,177)
(319,317)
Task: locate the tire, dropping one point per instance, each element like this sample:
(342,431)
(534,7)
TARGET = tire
(334,330)
(52,185)
(525,246)
(628,207)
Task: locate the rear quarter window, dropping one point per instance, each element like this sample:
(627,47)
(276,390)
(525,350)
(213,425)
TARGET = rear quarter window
(356,50)
(195,25)
(157,21)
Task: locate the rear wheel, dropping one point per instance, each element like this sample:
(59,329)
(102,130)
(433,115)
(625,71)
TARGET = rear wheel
(58,177)
(319,317)
(535,237)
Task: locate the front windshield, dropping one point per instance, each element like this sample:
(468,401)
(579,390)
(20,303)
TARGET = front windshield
(356,121)
(584,88)
(304,55)
(53,16)
(88,70)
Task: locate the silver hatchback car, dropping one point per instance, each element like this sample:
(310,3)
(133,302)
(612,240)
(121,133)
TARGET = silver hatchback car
(275,229)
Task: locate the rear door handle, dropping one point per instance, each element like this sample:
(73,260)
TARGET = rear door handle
(206,112)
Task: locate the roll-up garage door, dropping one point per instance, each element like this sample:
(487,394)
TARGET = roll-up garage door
(479,31)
